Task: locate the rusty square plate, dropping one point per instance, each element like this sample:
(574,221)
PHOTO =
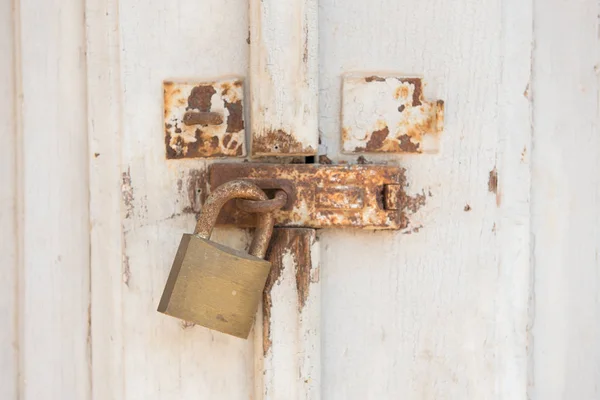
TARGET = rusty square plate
(387,114)
(204,119)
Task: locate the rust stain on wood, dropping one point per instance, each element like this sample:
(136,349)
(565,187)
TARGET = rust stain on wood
(298,243)
(278,141)
(493,186)
(304,267)
(195,190)
(493,181)
(272,279)
(413,203)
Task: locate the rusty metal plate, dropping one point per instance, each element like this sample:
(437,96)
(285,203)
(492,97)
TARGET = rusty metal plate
(387,114)
(204,119)
(321,196)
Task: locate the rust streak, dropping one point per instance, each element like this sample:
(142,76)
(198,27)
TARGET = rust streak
(296,242)
(493,186)
(275,256)
(493,181)
(303,268)
(374,78)
(196,191)
(279,141)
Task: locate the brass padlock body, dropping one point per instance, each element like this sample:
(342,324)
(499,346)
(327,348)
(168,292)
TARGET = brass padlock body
(214,286)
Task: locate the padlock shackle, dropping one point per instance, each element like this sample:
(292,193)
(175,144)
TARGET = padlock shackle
(237,189)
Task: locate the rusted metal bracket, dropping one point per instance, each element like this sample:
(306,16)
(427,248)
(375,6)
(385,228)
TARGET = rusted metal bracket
(387,114)
(204,119)
(321,196)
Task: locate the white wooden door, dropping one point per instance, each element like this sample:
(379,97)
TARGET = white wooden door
(491,294)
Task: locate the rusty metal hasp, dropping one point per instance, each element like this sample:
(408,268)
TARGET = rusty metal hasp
(321,196)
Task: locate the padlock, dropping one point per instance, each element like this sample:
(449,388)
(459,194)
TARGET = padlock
(213,285)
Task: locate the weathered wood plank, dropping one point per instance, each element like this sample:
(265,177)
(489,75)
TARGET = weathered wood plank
(441,311)
(54,292)
(512,175)
(9,366)
(566,201)
(164,358)
(284,77)
(104,97)
(287,343)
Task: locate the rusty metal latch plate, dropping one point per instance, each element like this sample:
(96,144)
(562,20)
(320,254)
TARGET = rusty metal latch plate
(204,119)
(387,114)
(321,196)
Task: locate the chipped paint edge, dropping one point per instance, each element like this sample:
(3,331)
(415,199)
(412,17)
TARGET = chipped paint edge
(290,331)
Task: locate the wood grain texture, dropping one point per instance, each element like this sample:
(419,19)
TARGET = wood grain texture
(54,293)
(162,358)
(441,311)
(9,259)
(108,263)
(566,201)
(287,343)
(284,77)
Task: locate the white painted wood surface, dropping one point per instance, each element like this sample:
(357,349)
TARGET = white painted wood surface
(495,300)
(138,46)
(565,210)
(9,236)
(287,344)
(105,99)
(284,77)
(54,283)
(440,313)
